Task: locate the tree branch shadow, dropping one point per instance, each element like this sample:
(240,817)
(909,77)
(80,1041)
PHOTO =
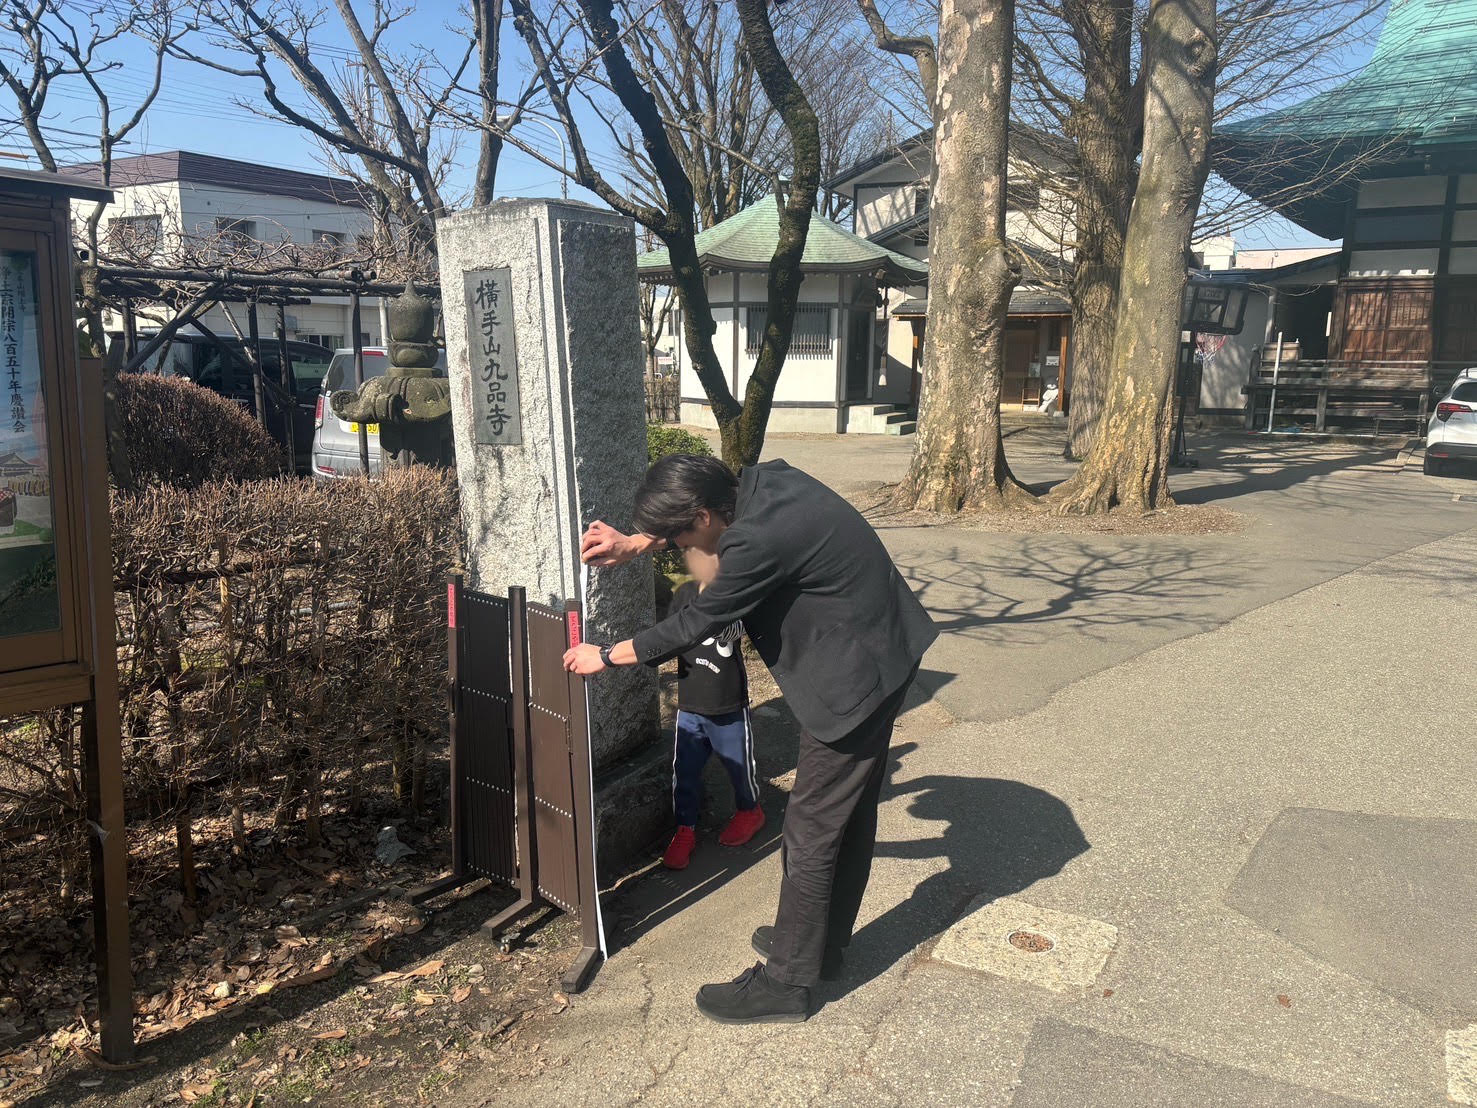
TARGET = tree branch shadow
(1021,596)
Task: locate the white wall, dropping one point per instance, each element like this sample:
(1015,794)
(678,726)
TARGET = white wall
(1284,255)
(188,209)
(880,207)
(278,218)
(812,383)
(1230,368)
(888,194)
(162,200)
(1403,192)
(1393,263)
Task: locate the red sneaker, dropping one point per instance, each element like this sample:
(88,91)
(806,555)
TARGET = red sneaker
(743,827)
(679,850)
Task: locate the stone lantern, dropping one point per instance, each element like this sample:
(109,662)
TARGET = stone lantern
(411,404)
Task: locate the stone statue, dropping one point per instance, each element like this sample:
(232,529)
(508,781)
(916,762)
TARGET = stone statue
(411,404)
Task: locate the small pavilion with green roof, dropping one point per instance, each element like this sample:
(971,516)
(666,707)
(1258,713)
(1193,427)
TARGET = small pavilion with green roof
(1386,161)
(837,376)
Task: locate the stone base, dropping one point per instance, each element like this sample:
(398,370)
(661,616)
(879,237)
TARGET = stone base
(633,811)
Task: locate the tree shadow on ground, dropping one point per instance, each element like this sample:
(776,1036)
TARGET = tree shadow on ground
(1020,595)
(996,838)
(1237,469)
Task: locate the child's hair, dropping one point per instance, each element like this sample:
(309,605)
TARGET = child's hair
(702,566)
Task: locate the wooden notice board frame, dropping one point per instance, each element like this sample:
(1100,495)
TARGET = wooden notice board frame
(75,662)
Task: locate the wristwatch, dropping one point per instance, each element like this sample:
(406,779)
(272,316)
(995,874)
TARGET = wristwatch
(605,657)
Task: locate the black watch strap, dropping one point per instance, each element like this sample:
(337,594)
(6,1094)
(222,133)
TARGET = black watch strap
(605,657)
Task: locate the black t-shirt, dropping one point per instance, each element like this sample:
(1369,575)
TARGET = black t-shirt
(711,679)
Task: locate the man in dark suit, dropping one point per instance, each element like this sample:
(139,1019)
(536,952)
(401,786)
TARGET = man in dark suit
(843,635)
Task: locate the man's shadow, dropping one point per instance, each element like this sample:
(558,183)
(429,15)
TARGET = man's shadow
(998,838)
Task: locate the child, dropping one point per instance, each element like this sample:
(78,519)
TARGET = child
(712,717)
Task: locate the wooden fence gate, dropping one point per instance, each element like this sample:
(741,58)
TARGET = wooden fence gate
(522,796)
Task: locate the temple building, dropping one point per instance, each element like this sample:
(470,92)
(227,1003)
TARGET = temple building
(1387,162)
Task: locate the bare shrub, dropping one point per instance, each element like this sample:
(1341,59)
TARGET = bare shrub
(281,648)
(181,434)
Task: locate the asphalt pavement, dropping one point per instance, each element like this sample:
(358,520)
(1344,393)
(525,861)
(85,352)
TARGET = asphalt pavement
(1174,820)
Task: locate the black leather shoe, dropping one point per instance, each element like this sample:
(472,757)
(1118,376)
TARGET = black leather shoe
(752,997)
(763,942)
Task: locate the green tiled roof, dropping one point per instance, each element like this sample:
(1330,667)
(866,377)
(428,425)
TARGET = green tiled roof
(1420,86)
(745,243)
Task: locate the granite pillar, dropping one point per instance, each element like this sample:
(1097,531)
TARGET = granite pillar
(548,413)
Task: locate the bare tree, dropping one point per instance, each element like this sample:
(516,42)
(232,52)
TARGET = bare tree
(959,455)
(569,77)
(1079,69)
(58,43)
(731,141)
(656,304)
(393,122)
(1129,461)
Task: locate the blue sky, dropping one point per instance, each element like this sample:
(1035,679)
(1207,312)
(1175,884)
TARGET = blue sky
(200,110)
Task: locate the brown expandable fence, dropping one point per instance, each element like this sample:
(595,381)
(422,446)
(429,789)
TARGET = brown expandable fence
(522,811)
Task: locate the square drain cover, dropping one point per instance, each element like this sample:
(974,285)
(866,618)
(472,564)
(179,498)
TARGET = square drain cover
(1010,938)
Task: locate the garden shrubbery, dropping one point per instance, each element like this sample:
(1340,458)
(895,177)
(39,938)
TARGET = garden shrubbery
(281,649)
(181,434)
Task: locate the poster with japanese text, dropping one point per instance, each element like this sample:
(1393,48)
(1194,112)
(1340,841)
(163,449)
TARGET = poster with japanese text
(28,584)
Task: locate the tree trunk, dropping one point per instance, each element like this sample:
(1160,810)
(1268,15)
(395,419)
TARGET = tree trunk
(959,457)
(1129,462)
(487,19)
(1100,126)
(783,289)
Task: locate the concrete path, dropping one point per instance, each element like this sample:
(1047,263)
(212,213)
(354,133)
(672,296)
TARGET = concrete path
(1229,778)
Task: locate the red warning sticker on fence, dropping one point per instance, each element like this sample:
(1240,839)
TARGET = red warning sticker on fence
(451,604)
(572,619)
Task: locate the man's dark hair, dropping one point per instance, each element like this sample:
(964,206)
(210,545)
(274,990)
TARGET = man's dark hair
(679,486)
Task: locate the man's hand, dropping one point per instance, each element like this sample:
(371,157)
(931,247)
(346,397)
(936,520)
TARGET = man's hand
(603,545)
(583,659)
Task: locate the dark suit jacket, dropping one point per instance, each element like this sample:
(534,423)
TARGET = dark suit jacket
(818,595)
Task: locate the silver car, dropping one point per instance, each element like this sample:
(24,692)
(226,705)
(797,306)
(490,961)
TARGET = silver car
(336,441)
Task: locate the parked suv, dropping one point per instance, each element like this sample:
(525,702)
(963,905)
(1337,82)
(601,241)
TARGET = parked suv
(336,441)
(1452,434)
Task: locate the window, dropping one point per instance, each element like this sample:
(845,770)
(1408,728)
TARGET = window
(1466,393)
(333,342)
(920,198)
(809,338)
(341,370)
(230,228)
(333,243)
(138,235)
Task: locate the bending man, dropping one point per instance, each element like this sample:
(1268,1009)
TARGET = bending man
(843,635)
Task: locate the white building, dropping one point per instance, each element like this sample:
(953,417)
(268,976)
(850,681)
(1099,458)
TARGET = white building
(836,377)
(164,200)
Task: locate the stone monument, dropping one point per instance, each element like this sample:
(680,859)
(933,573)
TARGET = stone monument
(410,403)
(548,410)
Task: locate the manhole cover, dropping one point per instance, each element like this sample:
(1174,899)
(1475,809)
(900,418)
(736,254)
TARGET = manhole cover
(1032,942)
